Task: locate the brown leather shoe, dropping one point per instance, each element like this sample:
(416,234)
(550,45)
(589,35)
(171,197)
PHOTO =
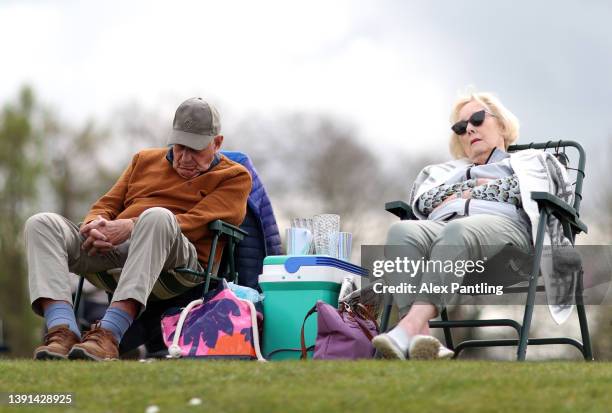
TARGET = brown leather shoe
(98,344)
(58,342)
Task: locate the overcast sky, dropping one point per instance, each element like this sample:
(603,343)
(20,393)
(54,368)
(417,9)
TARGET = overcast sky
(391,68)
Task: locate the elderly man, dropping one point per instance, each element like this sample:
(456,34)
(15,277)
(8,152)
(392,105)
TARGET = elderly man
(154,218)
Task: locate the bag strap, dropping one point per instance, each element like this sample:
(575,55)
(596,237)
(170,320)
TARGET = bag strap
(304,350)
(175,350)
(255,329)
(362,327)
(284,350)
(359,313)
(366,314)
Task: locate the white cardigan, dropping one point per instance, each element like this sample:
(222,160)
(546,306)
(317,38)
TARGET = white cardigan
(536,171)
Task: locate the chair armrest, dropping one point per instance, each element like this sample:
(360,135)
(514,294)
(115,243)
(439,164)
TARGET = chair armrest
(560,209)
(222,228)
(230,230)
(400,209)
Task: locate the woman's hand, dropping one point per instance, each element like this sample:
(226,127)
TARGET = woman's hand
(446,201)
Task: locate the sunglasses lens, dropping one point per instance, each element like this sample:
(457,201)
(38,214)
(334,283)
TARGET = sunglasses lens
(460,127)
(477,118)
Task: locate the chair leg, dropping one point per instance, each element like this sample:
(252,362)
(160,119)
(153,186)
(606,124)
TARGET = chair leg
(533,283)
(232,266)
(77,297)
(524,336)
(448,336)
(387,305)
(211,261)
(584,331)
(587,351)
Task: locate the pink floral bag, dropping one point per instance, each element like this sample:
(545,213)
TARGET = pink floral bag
(219,326)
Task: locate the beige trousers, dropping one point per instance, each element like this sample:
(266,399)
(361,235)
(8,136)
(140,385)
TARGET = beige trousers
(471,238)
(53,248)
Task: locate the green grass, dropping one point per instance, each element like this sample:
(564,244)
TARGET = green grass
(368,386)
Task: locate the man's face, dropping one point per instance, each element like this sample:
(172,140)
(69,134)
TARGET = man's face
(190,163)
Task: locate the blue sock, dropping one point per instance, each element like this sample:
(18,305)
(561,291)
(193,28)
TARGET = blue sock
(117,321)
(61,313)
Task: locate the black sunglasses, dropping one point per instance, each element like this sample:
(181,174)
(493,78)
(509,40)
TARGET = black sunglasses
(476,119)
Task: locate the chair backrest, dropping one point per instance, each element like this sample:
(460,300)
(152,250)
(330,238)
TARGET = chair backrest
(575,169)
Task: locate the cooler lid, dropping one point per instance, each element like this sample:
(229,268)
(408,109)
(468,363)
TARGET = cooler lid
(293,263)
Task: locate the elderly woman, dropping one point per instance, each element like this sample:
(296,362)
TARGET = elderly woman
(468,209)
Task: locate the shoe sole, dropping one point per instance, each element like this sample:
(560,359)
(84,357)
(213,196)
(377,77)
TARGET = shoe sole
(424,348)
(82,354)
(387,348)
(49,355)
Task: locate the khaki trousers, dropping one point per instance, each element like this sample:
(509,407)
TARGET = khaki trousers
(470,238)
(53,248)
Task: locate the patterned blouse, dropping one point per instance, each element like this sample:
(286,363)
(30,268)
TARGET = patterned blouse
(504,189)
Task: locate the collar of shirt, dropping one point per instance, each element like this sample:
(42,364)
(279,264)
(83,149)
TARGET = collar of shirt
(497,155)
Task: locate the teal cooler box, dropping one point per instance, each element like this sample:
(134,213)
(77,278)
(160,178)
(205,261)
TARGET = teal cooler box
(291,286)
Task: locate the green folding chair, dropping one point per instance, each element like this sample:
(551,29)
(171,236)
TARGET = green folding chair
(548,204)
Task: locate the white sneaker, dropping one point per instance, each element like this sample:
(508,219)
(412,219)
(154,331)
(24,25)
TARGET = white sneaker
(445,354)
(387,347)
(424,348)
(421,348)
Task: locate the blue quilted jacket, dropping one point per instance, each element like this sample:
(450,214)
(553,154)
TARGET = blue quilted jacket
(264,238)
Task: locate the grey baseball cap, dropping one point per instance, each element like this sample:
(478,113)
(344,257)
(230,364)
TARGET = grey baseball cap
(196,123)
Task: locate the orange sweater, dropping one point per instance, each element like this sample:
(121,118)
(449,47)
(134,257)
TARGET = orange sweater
(150,181)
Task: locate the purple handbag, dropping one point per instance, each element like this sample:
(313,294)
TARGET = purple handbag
(341,334)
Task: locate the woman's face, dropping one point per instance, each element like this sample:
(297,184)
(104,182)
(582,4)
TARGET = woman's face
(479,141)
